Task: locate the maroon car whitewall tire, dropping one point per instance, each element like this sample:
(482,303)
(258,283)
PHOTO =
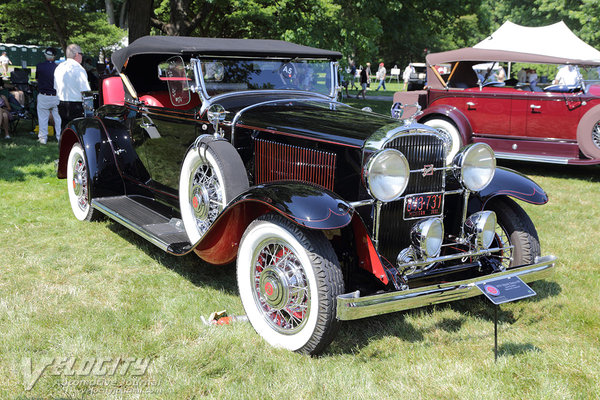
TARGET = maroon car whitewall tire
(588,133)
(450,129)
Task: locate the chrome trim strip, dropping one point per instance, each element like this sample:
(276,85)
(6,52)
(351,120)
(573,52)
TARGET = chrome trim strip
(531,157)
(130,225)
(360,203)
(351,306)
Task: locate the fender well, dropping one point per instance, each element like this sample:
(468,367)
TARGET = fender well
(104,175)
(307,205)
(508,182)
(450,113)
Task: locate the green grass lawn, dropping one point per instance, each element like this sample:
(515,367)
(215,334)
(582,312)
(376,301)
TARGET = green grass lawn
(80,291)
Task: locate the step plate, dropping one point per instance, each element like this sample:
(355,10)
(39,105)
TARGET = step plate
(168,234)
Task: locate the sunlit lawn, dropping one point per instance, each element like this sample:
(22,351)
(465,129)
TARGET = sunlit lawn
(89,290)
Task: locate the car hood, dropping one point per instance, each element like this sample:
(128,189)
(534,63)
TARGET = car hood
(313,118)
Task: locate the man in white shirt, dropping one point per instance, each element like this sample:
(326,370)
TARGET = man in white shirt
(70,79)
(567,75)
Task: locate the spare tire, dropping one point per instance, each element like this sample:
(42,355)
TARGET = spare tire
(212,175)
(588,133)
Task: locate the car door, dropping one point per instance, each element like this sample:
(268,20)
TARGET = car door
(489,111)
(553,115)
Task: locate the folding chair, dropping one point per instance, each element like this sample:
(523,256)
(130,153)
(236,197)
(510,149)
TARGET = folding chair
(20,79)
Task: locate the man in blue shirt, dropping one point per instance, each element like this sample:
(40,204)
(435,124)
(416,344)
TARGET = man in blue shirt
(47,101)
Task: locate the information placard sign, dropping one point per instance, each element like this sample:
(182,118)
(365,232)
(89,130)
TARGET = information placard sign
(505,290)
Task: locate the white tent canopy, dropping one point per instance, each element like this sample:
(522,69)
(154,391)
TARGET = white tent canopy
(554,40)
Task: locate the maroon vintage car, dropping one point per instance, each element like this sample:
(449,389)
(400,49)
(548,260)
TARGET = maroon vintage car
(546,123)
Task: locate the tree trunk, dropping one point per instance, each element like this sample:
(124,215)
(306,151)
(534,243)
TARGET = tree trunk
(60,32)
(123,15)
(110,11)
(140,12)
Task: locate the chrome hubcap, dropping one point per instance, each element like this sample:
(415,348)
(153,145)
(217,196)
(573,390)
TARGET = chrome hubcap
(282,291)
(596,134)
(80,187)
(206,197)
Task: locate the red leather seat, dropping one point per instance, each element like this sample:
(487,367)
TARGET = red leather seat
(113,91)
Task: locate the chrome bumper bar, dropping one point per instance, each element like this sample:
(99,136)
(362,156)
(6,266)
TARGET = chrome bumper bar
(352,306)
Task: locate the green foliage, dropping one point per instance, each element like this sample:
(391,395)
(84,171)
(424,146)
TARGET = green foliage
(101,36)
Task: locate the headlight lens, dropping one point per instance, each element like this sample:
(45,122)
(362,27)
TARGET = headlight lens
(387,174)
(477,164)
(482,227)
(427,237)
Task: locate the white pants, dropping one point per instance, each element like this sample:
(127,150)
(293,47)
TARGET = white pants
(46,104)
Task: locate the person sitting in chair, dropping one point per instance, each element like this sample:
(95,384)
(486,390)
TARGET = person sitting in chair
(5,115)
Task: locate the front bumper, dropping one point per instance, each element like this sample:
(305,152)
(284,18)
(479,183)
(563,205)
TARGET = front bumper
(352,306)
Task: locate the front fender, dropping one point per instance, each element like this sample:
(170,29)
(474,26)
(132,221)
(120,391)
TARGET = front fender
(103,172)
(307,205)
(452,113)
(507,182)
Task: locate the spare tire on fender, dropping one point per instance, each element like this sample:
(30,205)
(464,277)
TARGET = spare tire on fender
(211,176)
(588,133)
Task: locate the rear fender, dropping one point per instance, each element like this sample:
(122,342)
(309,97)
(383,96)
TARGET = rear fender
(306,205)
(91,134)
(453,114)
(507,182)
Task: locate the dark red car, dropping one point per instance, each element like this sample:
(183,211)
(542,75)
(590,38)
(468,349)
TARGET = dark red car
(542,122)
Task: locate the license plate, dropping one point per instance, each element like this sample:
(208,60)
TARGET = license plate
(423,205)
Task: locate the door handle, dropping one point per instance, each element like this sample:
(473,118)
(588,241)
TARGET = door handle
(534,107)
(470,105)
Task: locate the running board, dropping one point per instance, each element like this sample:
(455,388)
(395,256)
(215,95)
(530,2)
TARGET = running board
(168,234)
(546,159)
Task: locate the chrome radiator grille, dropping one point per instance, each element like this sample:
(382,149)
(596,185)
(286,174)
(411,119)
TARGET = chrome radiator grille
(421,150)
(276,161)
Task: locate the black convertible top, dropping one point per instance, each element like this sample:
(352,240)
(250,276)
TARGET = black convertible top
(219,47)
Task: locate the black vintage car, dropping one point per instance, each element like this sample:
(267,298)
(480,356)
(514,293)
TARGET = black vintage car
(238,150)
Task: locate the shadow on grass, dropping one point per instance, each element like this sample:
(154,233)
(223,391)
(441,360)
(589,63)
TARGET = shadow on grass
(190,266)
(515,349)
(590,173)
(22,157)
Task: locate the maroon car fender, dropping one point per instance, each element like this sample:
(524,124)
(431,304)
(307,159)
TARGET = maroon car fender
(507,182)
(307,205)
(452,113)
(584,132)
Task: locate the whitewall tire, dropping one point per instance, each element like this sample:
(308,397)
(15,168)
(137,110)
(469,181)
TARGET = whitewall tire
(452,131)
(211,176)
(289,279)
(78,185)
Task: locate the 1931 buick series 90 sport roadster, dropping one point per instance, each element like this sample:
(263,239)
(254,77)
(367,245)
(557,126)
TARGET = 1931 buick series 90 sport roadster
(238,150)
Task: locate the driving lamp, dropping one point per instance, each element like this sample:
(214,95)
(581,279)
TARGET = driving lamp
(386,175)
(482,228)
(427,236)
(477,165)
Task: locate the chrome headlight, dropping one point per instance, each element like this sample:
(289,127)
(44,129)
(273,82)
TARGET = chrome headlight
(427,236)
(477,165)
(386,175)
(482,226)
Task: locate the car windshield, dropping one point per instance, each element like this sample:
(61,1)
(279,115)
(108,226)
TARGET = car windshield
(228,75)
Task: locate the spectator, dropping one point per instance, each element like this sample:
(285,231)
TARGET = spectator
(369,73)
(70,79)
(364,79)
(567,75)
(500,76)
(5,115)
(533,80)
(47,101)
(352,76)
(522,76)
(406,74)
(4,61)
(381,73)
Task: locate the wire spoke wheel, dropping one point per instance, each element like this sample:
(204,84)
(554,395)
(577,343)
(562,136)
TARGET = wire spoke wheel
(281,287)
(596,135)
